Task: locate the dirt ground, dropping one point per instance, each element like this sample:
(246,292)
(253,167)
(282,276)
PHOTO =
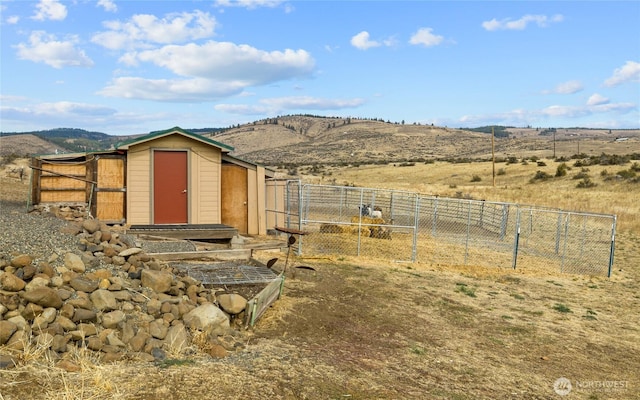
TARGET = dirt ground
(365,329)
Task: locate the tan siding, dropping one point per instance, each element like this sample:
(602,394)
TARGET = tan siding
(204,180)
(138,186)
(207,181)
(260,200)
(252,202)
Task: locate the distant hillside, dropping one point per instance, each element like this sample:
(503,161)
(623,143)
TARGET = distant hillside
(306,139)
(63,140)
(26,145)
(311,139)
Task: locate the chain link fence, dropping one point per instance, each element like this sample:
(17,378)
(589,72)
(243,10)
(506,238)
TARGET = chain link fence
(339,220)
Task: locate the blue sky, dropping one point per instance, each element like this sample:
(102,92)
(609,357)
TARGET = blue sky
(130,67)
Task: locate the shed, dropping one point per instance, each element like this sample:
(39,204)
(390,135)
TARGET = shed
(166,179)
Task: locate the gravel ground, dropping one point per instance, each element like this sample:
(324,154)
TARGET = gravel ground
(37,235)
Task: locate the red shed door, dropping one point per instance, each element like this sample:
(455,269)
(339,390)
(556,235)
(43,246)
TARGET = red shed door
(170,197)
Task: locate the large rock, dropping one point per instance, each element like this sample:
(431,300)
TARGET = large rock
(43,296)
(232,303)
(84,315)
(11,283)
(7,329)
(207,318)
(158,329)
(129,252)
(38,281)
(74,263)
(43,320)
(177,338)
(158,281)
(91,225)
(82,284)
(112,319)
(21,261)
(104,300)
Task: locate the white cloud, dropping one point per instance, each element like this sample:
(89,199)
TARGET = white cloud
(569,87)
(629,72)
(361,41)
(250,4)
(225,61)
(21,114)
(208,71)
(71,108)
(145,29)
(425,37)
(520,24)
(279,105)
(12,20)
(179,90)
(108,5)
(61,110)
(46,48)
(597,99)
(50,9)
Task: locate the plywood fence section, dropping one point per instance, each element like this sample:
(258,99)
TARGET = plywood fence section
(98,181)
(111,189)
(60,182)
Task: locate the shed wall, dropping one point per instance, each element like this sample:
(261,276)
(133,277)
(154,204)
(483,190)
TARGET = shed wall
(204,179)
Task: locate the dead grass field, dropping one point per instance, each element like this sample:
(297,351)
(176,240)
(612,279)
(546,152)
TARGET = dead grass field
(358,328)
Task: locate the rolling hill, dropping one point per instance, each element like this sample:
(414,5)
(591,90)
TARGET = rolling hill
(309,139)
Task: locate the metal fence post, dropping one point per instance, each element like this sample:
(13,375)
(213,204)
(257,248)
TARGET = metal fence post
(416,225)
(360,222)
(612,248)
(466,245)
(517,239)
(300,214)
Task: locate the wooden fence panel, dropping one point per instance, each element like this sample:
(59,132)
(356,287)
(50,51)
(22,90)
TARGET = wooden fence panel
(110,191)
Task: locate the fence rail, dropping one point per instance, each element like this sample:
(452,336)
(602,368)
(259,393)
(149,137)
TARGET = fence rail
(416,228)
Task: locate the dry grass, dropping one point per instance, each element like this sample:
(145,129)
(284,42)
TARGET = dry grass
(360,328)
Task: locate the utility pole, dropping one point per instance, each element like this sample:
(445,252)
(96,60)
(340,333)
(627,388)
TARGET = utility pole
(554,145)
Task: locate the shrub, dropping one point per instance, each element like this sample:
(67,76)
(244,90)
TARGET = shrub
(586,183)
(501,171)
(540,176)
(581,175)
(476,178)
(604,173)
(541,164)
(561,308)
(627,174)
(635,167)
(8,159)
(561,170)
(512,160)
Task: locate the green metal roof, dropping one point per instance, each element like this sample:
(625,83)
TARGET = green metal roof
(158,134)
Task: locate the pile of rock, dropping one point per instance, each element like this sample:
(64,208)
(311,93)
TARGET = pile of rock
(69,212)
(112,298)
